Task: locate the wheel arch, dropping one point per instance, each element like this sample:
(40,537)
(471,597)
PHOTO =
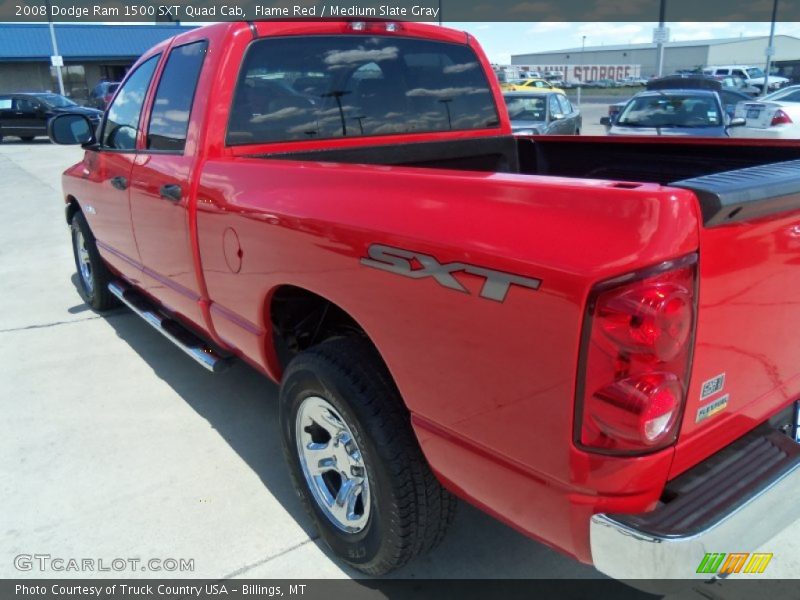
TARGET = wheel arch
(71,208)
(300,318)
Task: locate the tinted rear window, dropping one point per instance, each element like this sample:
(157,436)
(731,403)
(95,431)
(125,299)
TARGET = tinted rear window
(304,88)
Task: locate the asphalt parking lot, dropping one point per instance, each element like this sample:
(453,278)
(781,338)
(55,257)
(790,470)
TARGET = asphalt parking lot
(116,445)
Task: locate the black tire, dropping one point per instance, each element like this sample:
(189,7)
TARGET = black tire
(27,138)
(409,509)
(93,281)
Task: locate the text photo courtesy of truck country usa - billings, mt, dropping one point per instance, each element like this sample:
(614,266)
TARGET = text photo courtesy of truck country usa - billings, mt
(352,304)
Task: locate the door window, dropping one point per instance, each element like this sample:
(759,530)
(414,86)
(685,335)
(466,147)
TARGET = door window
(121,126)
(25,105)
(555,109)
(566,106)
(169,120)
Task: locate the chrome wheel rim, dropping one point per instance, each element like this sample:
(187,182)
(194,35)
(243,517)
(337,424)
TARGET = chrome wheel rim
(332,465)
(84,263)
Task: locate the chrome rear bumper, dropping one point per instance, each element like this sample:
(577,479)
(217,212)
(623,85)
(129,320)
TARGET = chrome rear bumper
(733,503)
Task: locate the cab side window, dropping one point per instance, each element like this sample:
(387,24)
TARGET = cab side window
(121,126)
(169,120)
(566,105)
(26,105)
(555,108)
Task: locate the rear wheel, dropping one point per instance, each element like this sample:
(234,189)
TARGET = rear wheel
(354,458)
(93,275)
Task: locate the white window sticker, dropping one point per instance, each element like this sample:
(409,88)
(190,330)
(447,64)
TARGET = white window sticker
(709,410)
(712,386)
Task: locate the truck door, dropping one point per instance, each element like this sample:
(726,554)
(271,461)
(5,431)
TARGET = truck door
(160,185)
(27,118)
(106,206)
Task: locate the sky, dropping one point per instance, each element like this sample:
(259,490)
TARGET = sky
(501,40)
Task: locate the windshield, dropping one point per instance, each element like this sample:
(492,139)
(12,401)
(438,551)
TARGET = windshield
(754,72)
(316,87)
(673,110)
(529,108)
(56,101)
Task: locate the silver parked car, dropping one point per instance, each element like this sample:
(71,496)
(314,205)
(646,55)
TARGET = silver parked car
(542,113)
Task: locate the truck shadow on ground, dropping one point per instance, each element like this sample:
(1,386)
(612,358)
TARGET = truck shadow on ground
(241,405)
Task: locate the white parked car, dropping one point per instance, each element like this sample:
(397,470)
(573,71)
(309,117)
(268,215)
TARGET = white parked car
(776,115)
(752,75)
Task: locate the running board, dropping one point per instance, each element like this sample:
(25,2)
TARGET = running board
(184,339)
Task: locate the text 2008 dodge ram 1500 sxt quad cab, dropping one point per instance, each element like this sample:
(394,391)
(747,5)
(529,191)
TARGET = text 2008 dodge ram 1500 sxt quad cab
(591,339)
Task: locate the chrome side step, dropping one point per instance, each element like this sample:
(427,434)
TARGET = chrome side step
(184,339)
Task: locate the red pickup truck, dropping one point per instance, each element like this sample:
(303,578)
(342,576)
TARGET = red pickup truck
(591,339)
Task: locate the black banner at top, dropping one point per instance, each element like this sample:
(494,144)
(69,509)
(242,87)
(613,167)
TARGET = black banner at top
(410,10)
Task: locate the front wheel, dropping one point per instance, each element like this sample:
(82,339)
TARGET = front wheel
(93,275)
(355,461)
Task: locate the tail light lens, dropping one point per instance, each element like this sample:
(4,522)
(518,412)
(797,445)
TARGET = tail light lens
(780,118)
(635,359)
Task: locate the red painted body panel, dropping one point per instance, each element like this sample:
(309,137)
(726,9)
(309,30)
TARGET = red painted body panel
(107,208)
(490,385)
(749,316)
(314,223)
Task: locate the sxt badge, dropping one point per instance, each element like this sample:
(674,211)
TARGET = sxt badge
(399,261)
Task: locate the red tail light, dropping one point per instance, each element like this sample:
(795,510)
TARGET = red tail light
(635,359)
(107,98)
(780,118)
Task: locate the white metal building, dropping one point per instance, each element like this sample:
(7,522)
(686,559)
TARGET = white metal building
(642,58)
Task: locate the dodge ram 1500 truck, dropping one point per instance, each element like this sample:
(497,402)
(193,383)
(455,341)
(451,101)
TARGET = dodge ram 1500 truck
(591,339)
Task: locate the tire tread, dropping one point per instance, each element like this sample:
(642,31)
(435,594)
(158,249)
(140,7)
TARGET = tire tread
(422,509)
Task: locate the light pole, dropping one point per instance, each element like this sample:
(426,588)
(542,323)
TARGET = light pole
(582,79)
(55,49)
(770,46)
(661,35)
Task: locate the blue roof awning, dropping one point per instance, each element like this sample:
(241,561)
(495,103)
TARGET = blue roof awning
(31,42)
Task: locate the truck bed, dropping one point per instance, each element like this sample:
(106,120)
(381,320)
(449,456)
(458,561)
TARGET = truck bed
(695,164)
